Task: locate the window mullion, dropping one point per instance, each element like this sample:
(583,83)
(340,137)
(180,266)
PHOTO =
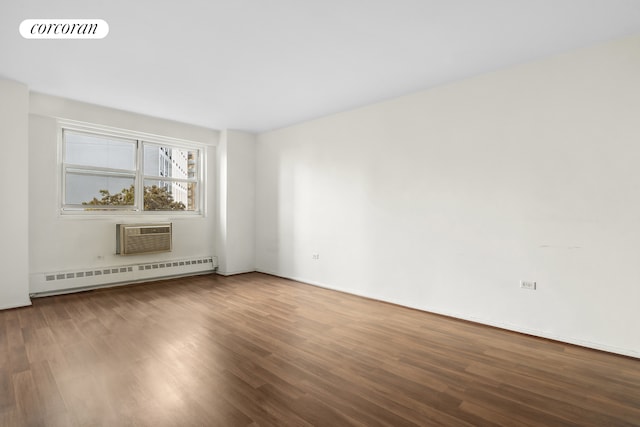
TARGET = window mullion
(168,178)
(139,195)
(85,170)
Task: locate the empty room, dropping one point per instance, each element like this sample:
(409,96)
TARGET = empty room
(320,213)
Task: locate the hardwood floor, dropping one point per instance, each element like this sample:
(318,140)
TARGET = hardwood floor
(258,350)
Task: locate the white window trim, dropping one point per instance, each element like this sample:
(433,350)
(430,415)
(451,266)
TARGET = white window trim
(141,137)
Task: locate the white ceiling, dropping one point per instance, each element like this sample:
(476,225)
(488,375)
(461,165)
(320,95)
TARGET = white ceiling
(262,64)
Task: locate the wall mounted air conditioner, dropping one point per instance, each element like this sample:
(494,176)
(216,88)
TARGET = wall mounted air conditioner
(134,239)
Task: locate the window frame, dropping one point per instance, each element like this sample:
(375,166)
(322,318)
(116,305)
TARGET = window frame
(140,139)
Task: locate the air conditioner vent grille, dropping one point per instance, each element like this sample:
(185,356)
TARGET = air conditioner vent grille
(133,239)
(155,230)
(148,243)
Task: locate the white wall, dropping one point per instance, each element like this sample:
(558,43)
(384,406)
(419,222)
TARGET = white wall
(445,199)
(59,243)
(14,175)
(236,202)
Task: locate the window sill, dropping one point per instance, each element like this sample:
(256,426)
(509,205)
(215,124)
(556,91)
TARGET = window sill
(139,216)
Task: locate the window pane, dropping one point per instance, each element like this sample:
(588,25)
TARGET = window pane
(170,162)
(94,190)
(169,195)
(100,151)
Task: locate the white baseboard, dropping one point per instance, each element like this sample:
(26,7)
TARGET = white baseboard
(233,273)
(11,305)
(538,333)
(501,325)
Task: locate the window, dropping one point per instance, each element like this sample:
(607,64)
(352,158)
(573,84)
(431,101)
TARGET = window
(112,171)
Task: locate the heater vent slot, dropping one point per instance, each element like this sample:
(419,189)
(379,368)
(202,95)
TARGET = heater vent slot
(134,239)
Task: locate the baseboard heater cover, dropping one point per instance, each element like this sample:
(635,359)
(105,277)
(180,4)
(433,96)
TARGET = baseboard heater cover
(65,281)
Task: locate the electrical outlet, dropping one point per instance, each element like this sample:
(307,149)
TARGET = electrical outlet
(315,256)
(524,284)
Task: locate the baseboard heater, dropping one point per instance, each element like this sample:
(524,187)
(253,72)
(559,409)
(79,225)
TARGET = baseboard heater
(59,282)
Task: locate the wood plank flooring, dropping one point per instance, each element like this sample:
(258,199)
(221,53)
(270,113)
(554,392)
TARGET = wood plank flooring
(259,350)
